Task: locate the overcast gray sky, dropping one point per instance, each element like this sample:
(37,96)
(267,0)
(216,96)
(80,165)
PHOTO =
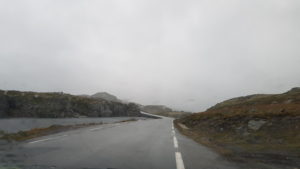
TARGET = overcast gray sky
(187,54)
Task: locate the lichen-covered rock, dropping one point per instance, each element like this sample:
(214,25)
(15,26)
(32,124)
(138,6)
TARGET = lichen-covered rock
(54,105)
(256,124)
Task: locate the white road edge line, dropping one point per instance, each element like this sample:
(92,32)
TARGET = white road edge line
(47,139)
(175,142)
(95,129)
(179,161)
(102,127)
(40,140)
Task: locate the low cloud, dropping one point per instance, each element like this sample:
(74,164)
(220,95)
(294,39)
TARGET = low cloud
(185,54)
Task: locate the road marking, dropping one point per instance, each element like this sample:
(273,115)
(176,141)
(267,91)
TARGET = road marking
(106,126)
(40,140)
(52,138)
(178,157)
(175,142)
(96,129)
(179,161)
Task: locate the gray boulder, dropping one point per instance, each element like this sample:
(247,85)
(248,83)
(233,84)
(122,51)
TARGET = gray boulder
(256,124)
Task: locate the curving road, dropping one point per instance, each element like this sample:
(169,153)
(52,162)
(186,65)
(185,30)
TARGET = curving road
(143,144)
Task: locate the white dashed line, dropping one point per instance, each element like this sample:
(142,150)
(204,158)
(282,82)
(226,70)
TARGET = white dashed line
(37,141)
(179,161)
(175,142)
(178,157)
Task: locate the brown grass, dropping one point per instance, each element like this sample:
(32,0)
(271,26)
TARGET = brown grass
(224,128)
(38,132)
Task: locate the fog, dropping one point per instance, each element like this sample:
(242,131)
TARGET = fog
(188,55)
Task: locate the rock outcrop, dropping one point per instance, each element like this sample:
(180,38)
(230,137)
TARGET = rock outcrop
(256,124)
(105,96)
(59,105)
(162,110)
(156,109)
(255,128)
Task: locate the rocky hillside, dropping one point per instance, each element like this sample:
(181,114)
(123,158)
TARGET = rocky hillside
(259,129)
(163,111)
(153,109)
(54,105)
(105,96)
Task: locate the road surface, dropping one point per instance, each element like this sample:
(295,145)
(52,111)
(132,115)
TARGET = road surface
(143,144)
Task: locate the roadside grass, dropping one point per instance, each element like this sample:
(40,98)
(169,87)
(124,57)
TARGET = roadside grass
(38,132)
(129,120)
(246,149)
(277,142)
(225,128)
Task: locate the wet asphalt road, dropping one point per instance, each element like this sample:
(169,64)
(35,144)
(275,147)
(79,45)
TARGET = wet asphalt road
(143,144)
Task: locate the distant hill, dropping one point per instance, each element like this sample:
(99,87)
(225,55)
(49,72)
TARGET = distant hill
(257,127)
(58,105)
(156,109)
(105,96)
(162,110)
(152,109)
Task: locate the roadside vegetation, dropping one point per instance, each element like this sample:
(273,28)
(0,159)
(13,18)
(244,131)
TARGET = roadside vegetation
(38,132)
(263,129)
